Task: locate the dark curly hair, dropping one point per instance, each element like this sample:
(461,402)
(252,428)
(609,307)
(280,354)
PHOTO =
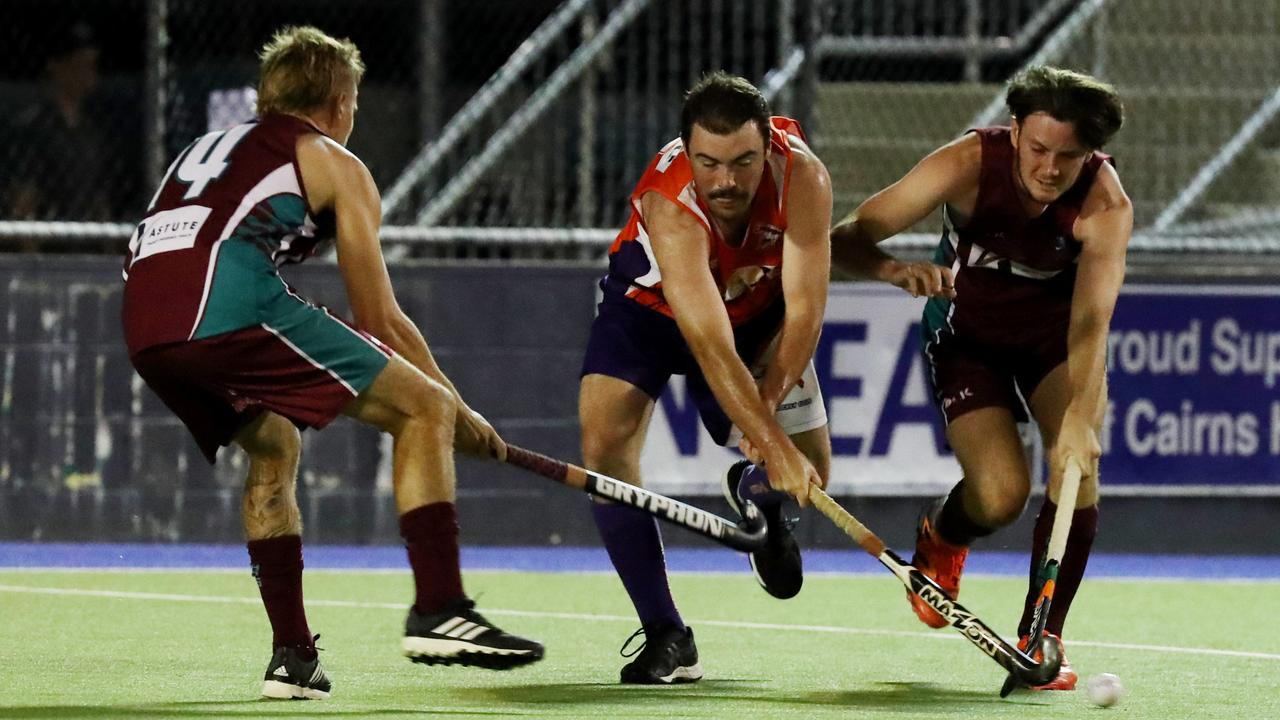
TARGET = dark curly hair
(722,103)
(1092,106)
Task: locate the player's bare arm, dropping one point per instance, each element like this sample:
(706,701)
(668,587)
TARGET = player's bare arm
(1103,228)
(947,175)
(336,178)
(680,246)
(806,267)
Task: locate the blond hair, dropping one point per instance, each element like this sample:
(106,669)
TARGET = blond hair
(303,69)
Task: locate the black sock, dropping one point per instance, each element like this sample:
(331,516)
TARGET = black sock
(954,525)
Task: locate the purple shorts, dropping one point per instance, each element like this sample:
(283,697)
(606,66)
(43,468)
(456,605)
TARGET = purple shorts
(645,348)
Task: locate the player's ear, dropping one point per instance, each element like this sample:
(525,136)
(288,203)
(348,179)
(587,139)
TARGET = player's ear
(1014,131)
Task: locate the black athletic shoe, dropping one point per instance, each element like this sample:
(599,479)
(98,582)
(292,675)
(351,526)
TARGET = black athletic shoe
(458,635)
(289,677)
(777,566)
(666,657)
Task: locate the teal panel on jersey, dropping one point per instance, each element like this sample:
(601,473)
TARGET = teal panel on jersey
(937,309)
(935,318)
(240,278)
(273,219)
(244,277)
(325,340)
(246,291)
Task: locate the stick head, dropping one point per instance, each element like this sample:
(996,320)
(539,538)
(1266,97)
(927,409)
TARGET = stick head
(752,527)
(1050,662)
(1035,674)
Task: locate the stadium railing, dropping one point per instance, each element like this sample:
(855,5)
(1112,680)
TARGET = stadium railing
(536,165)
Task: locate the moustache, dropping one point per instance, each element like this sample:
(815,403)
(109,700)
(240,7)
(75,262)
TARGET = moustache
(726,195)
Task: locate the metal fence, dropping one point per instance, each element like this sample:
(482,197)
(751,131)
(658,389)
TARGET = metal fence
(515,128)
(169,70)
(1200,150)
(524,113)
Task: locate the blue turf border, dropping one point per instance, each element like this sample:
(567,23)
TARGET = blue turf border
(591,559)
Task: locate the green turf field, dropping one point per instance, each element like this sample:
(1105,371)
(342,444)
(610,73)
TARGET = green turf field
(193,645)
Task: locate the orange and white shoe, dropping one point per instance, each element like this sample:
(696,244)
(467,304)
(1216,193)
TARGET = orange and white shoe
(1067,677)
(941,561)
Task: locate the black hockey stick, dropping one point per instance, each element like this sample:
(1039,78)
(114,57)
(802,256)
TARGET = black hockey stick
(1027,670)
(748,535)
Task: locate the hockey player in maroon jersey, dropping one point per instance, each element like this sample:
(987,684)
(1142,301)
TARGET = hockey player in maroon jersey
(240,357)
(1021,292)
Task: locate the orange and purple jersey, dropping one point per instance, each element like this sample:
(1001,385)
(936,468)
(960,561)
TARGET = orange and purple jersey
(749,274)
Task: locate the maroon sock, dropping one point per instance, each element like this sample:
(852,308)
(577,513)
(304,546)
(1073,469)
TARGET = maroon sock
(277,566)
(1084,527)
(430,533)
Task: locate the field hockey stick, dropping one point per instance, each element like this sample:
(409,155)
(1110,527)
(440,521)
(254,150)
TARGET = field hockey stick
(748,535)
(1048,575)
(970,626)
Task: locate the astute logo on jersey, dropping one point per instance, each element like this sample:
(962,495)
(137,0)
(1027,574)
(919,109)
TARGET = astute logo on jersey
(168,231)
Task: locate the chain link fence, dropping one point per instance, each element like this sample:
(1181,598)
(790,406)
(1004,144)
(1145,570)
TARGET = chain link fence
(1200,150)
(558,137)
(70,141)
(108,91)
(515,128)
(594,87)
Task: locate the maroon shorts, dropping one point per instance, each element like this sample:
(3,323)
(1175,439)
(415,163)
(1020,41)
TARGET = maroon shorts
(967,375)
(308,374)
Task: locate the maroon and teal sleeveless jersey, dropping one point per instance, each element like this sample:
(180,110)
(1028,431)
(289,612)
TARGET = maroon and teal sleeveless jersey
(230,210)
(1011,272)
(749,275)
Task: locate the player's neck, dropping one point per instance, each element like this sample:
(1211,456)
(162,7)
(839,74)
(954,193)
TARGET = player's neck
(311,119)
(1032,207)
(733,232)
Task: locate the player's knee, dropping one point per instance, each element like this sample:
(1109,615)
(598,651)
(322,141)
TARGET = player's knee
(430,405)
(1001,510)
(276,440)
(428,409)
(596,445)
(606,439)
(606,449)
